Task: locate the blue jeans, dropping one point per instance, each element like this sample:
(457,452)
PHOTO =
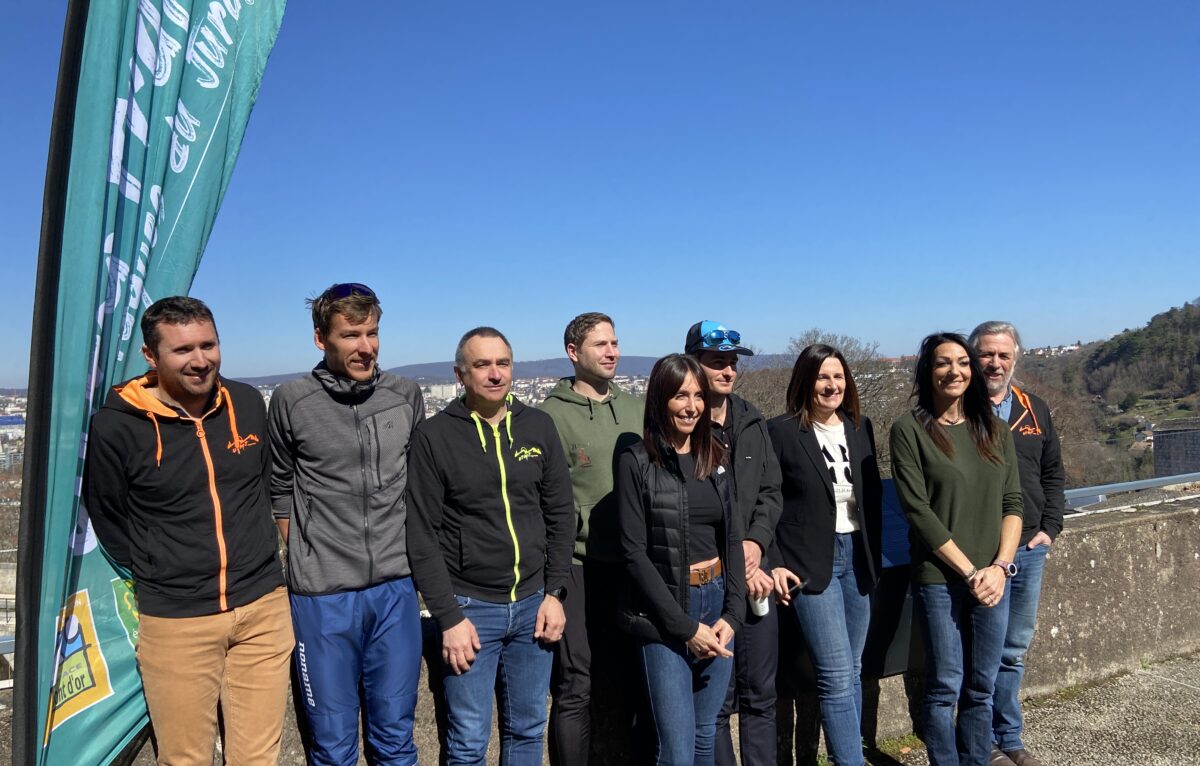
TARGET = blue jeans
(834,623)
(686,693)
(963,641)
(369,638)
(511,662)
(1023,594)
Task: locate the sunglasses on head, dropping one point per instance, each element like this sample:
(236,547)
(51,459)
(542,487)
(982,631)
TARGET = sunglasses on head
(716,337)
(347,289)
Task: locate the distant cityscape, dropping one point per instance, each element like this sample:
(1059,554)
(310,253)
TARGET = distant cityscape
(437,395)
(530,390)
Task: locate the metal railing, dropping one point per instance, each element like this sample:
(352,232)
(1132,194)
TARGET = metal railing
(1084,496)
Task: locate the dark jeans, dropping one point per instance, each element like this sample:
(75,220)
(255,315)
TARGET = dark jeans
(591,666)
(686,693)
(963,641)
(1023,594)
(752,693)
(511,667)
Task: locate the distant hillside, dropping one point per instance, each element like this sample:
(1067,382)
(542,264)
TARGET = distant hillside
(1163,358)
(443,372)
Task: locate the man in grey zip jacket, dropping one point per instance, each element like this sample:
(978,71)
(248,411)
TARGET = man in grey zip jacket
(339,444)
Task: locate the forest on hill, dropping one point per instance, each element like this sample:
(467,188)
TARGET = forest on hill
(1161,358)
(1104,398)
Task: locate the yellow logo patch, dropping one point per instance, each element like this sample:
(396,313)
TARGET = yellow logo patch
(526,453)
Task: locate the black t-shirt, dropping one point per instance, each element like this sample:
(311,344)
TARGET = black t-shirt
(705,514)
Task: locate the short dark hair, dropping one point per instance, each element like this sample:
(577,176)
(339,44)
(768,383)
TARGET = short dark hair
(479,332)
(976,407)
(803,383)
(666,379)
(354,304)
(580,326)
(175,309)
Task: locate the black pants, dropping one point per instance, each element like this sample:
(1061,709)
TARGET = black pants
(591,684)
(752,693)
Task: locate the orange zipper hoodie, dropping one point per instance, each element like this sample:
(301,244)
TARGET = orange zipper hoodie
(182,502)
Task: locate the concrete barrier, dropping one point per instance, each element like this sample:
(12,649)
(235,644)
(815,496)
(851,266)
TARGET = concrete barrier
(1121,589)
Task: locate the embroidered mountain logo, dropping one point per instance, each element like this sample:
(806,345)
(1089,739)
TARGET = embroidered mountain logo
(239,443)
(81,672)
(581,457)
(525,453)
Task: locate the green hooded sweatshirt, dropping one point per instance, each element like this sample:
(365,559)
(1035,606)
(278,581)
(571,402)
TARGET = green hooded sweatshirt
(593,434)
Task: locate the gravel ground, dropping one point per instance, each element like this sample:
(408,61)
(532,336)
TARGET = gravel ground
(1150,717)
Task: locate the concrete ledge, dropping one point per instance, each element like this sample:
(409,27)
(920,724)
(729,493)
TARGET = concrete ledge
(1121,590)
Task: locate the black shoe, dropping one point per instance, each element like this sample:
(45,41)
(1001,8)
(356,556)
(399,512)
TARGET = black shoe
(1021,757)
(999,758)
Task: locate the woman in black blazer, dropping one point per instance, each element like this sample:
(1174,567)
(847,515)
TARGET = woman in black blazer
(826,550)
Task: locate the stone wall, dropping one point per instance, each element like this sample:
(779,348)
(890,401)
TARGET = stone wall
(1121,589)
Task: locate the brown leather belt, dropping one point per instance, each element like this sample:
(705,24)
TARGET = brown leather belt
(704,575)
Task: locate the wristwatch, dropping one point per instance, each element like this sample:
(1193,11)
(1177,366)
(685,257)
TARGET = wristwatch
(559,593)
(1010,569)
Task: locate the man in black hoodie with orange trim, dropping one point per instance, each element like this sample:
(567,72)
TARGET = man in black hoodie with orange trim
(491,528)
(176,489)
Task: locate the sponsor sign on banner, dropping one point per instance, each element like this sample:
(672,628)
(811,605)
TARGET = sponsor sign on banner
(165,89)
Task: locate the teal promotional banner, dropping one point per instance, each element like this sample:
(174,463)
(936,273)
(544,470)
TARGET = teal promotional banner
(165,89)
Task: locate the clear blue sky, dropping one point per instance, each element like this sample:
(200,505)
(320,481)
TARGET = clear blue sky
(874,168)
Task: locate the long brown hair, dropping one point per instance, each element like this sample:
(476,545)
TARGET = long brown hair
(666,379)
(977,409)
(803,385)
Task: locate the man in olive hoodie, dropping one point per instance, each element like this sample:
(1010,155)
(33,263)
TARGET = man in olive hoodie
(595,422)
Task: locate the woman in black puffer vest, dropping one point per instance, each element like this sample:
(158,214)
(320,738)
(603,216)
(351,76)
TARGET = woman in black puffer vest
(679,537)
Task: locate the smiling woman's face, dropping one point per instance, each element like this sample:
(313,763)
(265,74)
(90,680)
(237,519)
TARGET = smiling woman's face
(951,372)
(685,407)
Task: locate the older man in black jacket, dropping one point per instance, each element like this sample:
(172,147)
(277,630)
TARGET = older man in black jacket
(1039,461)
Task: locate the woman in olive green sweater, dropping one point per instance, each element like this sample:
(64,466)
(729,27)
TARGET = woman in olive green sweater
(955,471)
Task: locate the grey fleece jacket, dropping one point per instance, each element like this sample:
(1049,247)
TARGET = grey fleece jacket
(339,452)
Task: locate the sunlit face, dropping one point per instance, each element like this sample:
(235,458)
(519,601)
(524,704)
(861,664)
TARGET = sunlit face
(830,388)
(596,358)
(685,407)
(720,367)
(998,355)
(188,359)
(951,371)
(350,349)
(486,374)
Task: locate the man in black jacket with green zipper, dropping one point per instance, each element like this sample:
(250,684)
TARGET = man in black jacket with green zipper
(490,534)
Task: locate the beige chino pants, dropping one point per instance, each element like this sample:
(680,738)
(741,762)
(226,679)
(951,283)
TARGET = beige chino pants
(239,658)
